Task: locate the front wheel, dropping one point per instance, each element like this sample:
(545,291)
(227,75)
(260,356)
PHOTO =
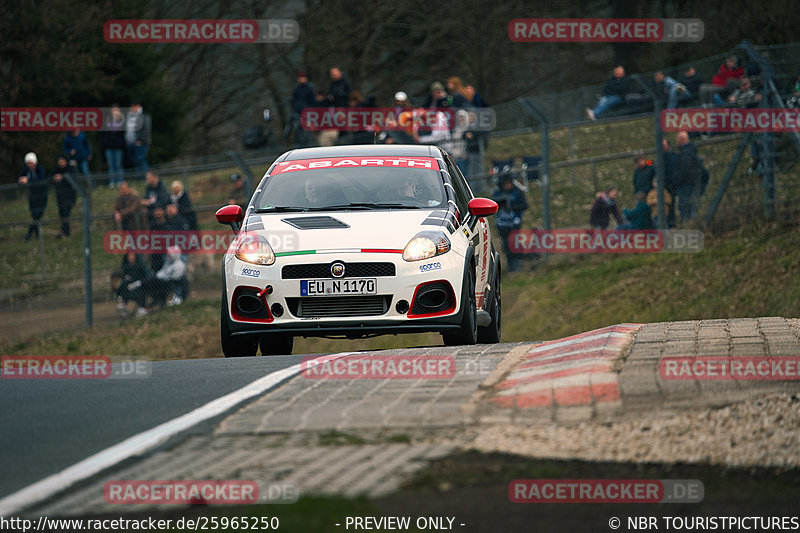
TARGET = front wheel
(239,346)
(468,332)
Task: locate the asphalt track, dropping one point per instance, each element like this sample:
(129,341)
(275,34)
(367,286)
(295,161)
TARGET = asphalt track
(47,425)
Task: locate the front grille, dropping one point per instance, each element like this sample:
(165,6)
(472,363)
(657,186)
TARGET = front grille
(351,270)
(339,306)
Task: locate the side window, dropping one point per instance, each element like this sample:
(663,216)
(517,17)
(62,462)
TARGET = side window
(463,195)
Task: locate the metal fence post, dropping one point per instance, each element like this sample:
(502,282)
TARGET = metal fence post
(86,220)
(545,176)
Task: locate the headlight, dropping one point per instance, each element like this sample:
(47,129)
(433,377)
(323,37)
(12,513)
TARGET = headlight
(255,249)
(425,245)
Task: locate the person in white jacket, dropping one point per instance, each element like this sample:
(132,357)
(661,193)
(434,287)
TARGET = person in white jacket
(170,278)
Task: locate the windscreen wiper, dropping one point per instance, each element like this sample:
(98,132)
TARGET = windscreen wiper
(363,205)
(280,209)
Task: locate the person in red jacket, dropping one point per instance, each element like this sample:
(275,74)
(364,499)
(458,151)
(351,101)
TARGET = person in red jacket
(725,80)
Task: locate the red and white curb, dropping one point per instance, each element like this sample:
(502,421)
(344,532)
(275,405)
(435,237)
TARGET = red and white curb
(576,370)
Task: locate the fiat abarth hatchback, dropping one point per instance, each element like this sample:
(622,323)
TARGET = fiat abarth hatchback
(357,241)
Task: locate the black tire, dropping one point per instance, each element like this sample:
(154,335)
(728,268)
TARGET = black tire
(234,346)
(491,334)
(468,332)
(276,344)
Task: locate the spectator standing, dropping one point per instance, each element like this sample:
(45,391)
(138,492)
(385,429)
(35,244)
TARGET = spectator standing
(458,92)
(112,140)
(725,80)
(643,175)
(456,146)
(78,148)
(158,223)
(184,205)
(603,208)
(155,194)
(303,96)
(138,131)
(340,88)
(34,176)
(438,97)
(128,209)
(65,193)
(512,204)
(670,178)
(614,92)
(474,96)
(689,179)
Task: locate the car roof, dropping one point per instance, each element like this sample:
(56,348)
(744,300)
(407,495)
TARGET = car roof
(363,150)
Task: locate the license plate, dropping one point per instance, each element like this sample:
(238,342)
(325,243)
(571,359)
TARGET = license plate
(337,287)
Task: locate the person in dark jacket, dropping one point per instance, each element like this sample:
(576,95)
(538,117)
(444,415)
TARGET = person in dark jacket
(112,141)
(303,96)
(184,204)
(130,284)
(689,177)
(34,176)
(512,203)
(340,88)
(643,175)
(155,194)
(614,92)
(638,217)
(138,135)
(77,148)
(670,179)
(65,193)
(603,208)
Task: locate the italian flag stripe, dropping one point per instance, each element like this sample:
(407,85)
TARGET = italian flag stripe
(330,251)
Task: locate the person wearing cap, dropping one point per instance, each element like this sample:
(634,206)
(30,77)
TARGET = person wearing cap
(138,130)
(643,175)
(303,96)
(34,176)
(512,203)
(438,97)
(403,112)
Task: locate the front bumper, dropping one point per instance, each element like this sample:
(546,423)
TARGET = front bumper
(390,310)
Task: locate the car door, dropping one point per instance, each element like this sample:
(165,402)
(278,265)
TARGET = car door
(476,229)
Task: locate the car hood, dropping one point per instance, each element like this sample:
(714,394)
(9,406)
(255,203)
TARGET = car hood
(344,230)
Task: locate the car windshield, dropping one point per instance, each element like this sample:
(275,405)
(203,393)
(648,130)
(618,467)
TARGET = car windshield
(352,188)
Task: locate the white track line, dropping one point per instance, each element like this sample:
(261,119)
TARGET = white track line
(142,442)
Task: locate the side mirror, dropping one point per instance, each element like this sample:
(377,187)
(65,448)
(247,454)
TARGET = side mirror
(482,207)
(230,214)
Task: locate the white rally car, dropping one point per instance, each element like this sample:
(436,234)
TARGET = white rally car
(356,241)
